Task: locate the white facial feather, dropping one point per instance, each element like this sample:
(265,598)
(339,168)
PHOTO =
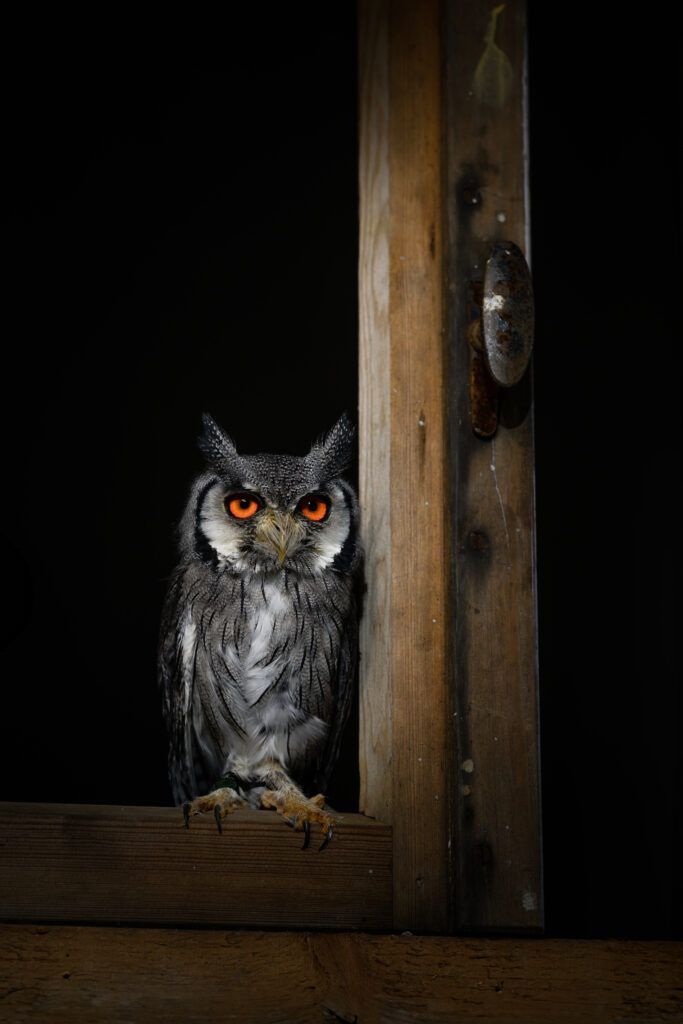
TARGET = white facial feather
(330,539)
(222,533)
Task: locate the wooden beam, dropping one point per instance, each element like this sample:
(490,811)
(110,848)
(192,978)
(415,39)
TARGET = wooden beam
(498,872)
(95,974)
(405,689)
(420,554)
(376,783)
(132,865)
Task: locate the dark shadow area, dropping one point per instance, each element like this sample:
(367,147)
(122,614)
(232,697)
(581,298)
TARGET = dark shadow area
(606,234)
(183,236)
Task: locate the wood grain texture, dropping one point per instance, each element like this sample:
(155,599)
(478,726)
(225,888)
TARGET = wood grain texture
(67,862)
(419,469)
(374,419)
(74,975)
(498,849)
(406,748)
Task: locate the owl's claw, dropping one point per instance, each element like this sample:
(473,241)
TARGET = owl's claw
(307,834)
(327,839)
(298,810)
(221,801)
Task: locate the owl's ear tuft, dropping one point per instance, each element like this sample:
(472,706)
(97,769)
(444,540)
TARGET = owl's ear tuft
(218,449)
(337,446)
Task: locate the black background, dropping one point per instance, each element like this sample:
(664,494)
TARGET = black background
(606,251)
(182,235)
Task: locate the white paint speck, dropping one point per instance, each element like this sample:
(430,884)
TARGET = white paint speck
(468,765)
(501,217)
(529,900)
(500,497)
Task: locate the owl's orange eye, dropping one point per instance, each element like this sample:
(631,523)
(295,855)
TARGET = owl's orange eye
(242,506)
(315,507)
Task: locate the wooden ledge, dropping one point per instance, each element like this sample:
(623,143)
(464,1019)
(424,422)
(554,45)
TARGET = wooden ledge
(140,865)
(92,974)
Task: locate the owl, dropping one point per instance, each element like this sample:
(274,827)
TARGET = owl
(259,633)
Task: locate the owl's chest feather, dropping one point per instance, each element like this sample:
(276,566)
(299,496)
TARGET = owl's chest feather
(269,655)
(259,658)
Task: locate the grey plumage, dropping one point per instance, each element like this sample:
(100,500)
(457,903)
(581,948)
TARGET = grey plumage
(258,646)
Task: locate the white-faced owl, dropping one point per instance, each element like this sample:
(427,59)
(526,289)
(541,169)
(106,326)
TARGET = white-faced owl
(259,634)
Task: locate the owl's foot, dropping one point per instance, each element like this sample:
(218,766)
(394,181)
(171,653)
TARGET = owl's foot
(222,801)
(299,811)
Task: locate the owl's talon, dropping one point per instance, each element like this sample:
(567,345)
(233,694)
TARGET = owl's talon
(217,816)
(307,834)
(186,814)
(326,840)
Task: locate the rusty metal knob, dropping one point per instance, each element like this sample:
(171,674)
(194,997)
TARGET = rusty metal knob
(507,317)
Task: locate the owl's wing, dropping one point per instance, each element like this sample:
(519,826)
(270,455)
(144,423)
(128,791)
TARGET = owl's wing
(347,668)
(176,681)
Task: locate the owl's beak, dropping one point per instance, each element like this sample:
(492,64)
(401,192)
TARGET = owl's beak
(279,531)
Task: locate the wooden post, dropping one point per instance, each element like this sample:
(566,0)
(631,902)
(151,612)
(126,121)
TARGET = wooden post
(498,884)
(375,755)
(449,747)
(405,704)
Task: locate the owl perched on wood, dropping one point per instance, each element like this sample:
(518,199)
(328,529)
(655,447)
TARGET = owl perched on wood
(259,634)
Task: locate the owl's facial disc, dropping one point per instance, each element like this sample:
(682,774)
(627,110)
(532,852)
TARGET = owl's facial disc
(254,530)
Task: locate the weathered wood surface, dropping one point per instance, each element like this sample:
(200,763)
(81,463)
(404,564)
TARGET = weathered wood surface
(374,412)
(129,865)
(498,880)
(73,975)
(406,731)
(420,544)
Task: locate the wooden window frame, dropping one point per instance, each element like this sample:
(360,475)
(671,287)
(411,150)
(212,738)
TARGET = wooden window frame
(448,838)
